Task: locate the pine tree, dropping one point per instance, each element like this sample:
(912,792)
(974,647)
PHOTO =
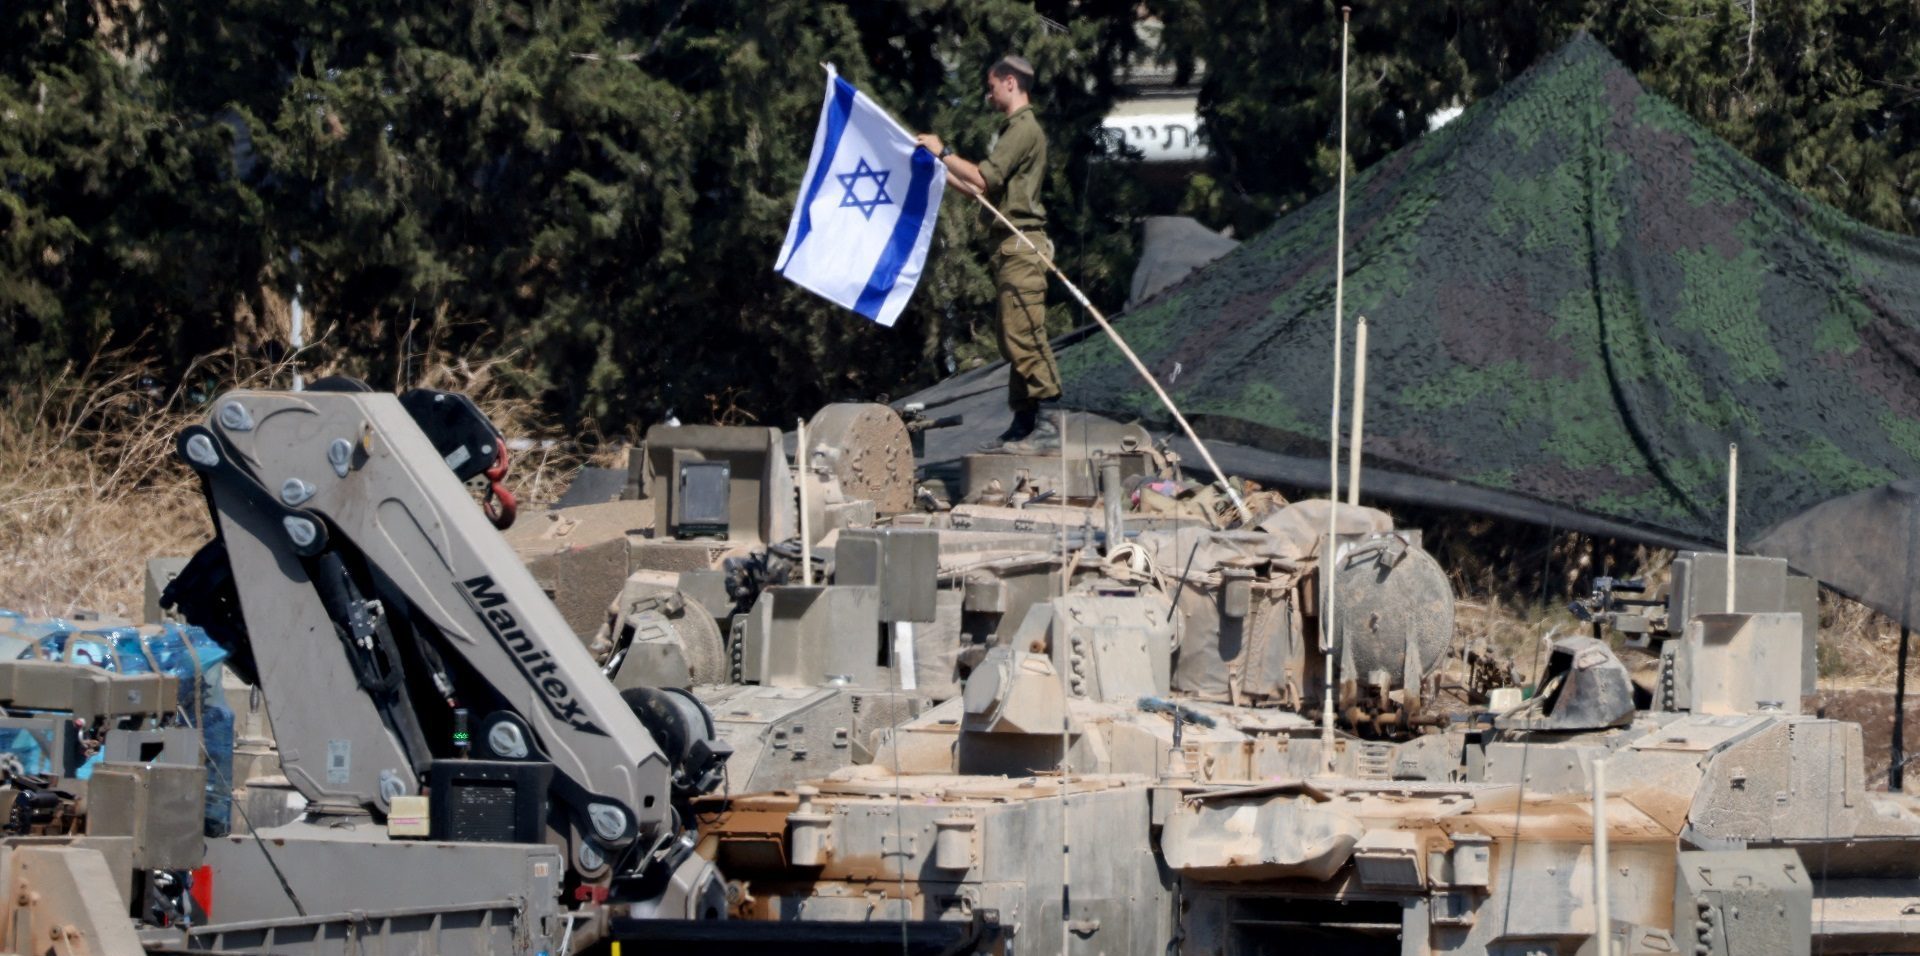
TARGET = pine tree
(119,223)
(1824,93)
(596,189)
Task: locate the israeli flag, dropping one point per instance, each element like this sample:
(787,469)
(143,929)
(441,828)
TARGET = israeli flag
(867,208)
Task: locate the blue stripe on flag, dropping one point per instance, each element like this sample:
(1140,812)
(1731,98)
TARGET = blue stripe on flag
(906,231)
(837,113)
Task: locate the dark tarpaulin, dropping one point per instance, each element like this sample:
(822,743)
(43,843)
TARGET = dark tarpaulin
(1865,545)
(1577,297)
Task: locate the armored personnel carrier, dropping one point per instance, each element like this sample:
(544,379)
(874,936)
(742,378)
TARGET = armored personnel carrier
(810,647)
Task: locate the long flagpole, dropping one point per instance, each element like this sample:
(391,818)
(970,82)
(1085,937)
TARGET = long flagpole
(1327,562)
(1125,350)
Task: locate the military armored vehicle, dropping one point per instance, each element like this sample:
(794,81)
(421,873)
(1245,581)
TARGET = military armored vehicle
(1059,703)
(1070,808)
(1140,759)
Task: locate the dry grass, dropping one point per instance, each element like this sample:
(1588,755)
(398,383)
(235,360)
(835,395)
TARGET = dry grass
(90,487)
(1514,583)
(1859,647)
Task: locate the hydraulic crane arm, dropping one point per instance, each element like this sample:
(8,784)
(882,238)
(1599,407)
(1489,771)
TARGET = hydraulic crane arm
(381,606)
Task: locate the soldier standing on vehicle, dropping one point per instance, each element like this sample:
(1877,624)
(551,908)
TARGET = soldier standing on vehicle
(1010,178)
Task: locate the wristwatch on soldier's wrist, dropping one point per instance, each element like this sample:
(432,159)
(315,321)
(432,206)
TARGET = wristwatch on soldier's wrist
(945,151)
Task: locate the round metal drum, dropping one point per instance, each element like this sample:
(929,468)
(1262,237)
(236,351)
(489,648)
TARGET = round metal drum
(867,448)
(1392,597)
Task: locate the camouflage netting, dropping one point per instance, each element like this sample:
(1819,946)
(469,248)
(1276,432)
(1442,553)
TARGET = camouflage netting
(1577,296)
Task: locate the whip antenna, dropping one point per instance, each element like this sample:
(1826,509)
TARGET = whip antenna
(1333,432)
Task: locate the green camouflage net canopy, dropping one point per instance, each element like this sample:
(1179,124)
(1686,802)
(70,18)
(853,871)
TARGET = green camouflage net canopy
(1577,297)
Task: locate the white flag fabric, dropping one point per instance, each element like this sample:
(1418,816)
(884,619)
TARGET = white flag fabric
(867,208)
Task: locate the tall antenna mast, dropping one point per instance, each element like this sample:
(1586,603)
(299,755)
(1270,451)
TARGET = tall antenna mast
(1327,561)
(1733,494)
(1354,441)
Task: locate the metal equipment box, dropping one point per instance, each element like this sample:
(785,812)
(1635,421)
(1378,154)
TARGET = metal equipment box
(903,563)
(489,801)
(161,806)
(700,500)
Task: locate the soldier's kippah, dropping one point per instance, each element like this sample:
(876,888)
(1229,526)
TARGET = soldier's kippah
(1014,63)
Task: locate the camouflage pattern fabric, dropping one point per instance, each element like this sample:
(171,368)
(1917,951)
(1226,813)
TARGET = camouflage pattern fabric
(1576,295)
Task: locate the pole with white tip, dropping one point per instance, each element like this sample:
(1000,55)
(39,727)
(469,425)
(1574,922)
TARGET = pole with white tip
(1359,410)
(805,463)
(1733,491)
(296,329)
(1602,917)
(1333,433)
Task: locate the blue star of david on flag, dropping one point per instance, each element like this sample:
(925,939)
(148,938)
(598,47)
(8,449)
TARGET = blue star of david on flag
(869,263)
(852,198)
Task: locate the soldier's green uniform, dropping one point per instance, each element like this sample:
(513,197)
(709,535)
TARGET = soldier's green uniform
(1013,173)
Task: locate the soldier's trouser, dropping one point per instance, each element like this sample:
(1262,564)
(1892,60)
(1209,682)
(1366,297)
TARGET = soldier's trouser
(1021,280)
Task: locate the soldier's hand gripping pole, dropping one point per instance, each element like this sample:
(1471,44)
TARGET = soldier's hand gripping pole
(1125,350)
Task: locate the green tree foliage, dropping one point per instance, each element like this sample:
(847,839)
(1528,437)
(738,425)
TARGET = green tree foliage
(599,187)
(1825,93)
(120,221)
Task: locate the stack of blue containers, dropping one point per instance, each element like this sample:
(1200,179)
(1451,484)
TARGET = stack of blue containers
(180,651)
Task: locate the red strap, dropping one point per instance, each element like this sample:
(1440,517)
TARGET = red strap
(200,887)
(499,504)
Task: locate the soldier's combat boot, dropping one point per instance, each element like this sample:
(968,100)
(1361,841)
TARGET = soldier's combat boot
(1044,437)
(1022,425)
